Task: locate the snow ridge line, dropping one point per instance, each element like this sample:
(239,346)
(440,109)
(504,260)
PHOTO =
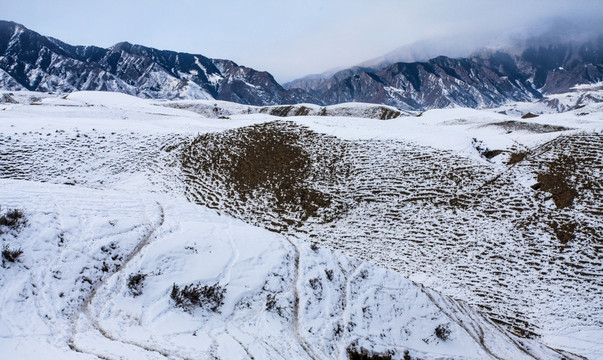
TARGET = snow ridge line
(85,310)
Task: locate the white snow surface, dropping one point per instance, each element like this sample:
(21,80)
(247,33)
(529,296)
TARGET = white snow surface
(58,300)
(68,297)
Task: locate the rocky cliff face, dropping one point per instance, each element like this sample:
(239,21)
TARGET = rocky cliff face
(30,61)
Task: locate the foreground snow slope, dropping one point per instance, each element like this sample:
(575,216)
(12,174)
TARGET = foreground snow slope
(133,149)
(69,297)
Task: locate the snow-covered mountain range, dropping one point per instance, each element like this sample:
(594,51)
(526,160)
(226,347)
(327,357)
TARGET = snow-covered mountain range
(487,79)
(30,61)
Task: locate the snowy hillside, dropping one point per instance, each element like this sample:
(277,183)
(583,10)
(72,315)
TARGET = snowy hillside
(296,237)
(283,299)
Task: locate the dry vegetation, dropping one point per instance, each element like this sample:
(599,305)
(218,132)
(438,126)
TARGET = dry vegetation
(267,164)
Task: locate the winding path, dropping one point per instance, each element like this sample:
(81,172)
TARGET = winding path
(85,307)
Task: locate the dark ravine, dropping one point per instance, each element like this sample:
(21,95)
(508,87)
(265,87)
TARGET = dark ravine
(30,61)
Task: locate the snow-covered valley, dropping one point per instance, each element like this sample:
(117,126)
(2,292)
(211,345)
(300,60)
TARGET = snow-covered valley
(416,237)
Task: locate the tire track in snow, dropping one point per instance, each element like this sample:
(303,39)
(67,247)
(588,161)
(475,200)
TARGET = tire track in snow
(243,346)
(270,348)
(296,327)
(85,308)
(345,312)
(476,331)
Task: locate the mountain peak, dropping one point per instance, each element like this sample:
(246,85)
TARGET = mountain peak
(123,45)
(10,24)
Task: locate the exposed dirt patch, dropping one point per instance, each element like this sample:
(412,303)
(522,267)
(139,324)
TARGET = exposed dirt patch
(484,151)
(556,181)
(7,99)
(517,157)
(564,232)
(302,111)
(387,114)
(266,164)
(489,154)
(281,111)
(287,110)
(531,127)
(529,116)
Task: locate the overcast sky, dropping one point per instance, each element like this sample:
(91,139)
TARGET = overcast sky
(289,38)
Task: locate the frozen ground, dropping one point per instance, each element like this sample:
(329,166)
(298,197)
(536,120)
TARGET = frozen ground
(128,185)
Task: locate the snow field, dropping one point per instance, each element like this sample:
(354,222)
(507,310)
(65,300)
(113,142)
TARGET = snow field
(47,296)
(320,303)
